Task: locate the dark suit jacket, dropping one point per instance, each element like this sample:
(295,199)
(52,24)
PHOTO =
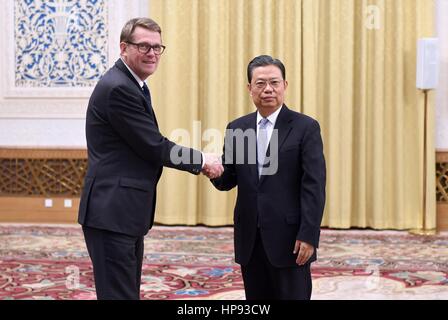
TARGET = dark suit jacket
(126,153)
(287,205)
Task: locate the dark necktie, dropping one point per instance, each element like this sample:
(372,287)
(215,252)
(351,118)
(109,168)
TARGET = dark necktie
(147,95)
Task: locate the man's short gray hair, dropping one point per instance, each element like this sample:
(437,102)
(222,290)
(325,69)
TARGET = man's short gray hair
(129,27)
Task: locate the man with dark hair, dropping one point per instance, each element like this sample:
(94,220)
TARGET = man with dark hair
(126,154)
(281,195)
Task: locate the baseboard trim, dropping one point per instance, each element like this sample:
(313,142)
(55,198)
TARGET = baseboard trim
(442,216)
(33,210)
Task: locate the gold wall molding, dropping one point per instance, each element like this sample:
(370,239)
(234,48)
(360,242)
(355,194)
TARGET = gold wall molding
(442,176)
(442,189)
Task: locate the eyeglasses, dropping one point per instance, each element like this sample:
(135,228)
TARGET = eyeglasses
(144,48)
(274,83)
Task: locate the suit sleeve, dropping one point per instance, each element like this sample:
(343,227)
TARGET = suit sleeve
(312,191)
(228,179)
(132,122)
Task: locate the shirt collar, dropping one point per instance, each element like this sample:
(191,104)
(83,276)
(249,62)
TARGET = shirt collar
(137,78)
(272,117)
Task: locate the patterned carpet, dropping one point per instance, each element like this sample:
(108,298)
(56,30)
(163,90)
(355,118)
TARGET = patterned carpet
(51,262)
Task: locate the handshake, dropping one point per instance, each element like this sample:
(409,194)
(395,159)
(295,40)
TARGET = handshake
(212,165)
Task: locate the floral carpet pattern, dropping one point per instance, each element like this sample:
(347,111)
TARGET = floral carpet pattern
(51,262)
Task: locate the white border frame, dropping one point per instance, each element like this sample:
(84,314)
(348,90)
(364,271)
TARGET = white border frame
(119,12)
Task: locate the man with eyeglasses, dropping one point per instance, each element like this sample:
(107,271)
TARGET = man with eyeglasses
(281,193)
(126,154)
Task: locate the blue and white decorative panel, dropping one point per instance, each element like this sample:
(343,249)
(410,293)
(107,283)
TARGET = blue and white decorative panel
(60,43)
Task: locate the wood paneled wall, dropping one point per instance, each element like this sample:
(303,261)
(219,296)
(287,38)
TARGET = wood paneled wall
(31,177)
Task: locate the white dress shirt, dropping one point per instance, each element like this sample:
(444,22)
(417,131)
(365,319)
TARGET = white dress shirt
(137,78)
(269,126)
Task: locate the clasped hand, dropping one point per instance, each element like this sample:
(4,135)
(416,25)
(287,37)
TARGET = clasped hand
(212,166)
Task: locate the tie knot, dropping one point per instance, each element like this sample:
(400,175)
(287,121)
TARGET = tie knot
(145,88)
(263,123)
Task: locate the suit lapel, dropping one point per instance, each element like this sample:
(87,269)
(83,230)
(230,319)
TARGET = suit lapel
(283,127)
(121,66)
(251,124)
(283,124)
(148,106)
